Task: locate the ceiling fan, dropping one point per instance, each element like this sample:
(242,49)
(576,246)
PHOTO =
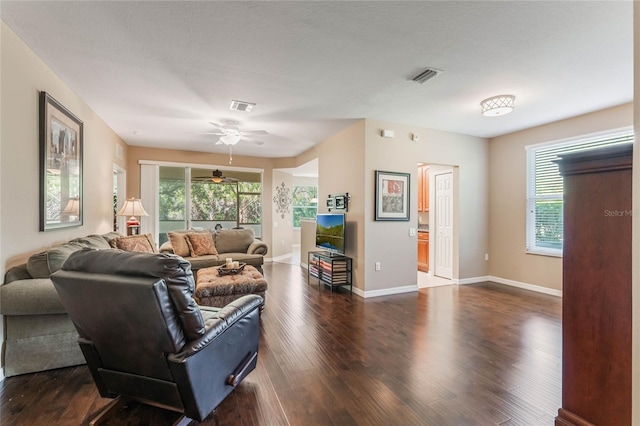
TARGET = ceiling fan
(216,177)
(230,135)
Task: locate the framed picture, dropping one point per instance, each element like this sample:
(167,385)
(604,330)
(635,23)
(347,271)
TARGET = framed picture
(392,196)
(60,166)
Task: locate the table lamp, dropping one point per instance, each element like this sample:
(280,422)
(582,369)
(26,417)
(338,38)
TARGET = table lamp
(132,207)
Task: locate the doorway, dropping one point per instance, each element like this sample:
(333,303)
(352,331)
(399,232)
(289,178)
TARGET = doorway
(437,186)
(119,195)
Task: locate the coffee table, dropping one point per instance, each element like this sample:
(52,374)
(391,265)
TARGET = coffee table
(213,289)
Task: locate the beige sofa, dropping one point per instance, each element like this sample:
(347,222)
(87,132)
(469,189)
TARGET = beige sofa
(238,244)
(38,332)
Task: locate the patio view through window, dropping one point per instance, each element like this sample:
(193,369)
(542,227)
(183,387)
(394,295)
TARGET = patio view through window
(236,202)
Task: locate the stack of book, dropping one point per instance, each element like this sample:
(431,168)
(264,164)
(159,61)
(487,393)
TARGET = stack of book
(314,264)
(334,272)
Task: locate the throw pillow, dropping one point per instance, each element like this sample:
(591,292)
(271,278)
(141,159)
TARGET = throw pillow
(201,244)
(143,243)
(179,243)
(234,240)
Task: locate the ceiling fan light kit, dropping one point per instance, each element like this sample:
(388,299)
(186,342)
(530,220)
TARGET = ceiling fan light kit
(498,105)
(230,139)
(216,177)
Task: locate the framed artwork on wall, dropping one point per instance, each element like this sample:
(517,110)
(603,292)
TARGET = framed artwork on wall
(392,196)
(61,137)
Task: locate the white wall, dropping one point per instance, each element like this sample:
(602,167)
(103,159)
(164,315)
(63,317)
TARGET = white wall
(307,240)
(389,242)
(340,170)
(347,163)
(508,195)
(23,75)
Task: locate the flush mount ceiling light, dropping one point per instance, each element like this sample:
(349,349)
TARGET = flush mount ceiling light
(497,105)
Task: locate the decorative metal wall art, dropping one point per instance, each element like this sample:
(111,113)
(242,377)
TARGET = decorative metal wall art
(282,200)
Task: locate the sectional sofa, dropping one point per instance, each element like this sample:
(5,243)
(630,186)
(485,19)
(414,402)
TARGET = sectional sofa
(238,244)
(38,332)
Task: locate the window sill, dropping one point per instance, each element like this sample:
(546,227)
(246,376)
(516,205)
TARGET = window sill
(543,253)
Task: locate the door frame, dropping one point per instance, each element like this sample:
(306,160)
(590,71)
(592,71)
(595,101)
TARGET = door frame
(433,280)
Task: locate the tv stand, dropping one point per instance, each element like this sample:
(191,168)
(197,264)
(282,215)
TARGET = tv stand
(332,269)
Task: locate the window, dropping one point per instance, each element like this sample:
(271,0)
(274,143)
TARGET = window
(545,190)
(172,207)
(305,203)
(187,200)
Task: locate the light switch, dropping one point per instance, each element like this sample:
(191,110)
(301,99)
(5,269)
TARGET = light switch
(412,232)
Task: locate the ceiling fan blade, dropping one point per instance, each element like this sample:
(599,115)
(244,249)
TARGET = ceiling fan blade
(208,133)
(254,132)
(218,125)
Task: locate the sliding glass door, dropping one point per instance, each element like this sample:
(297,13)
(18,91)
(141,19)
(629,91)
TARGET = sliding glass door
(236,201)
(172,196)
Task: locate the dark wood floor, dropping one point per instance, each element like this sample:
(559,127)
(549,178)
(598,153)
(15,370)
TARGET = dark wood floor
(482,354)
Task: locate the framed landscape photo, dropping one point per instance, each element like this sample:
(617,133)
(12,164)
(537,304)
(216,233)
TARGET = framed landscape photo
(61,135)
(392,196)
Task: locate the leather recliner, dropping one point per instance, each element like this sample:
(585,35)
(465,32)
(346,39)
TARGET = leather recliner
(144,337)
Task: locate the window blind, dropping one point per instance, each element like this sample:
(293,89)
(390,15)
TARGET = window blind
(545,189)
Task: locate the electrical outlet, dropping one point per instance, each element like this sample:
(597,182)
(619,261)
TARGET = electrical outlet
(486,256)
(377,266)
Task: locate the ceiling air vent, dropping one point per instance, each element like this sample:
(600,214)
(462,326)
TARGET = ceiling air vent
(426,74)
(241,106)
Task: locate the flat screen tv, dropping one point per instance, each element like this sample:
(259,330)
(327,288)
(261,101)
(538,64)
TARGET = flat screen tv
(330,231)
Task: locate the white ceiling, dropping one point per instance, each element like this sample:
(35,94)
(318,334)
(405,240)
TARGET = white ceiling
(158,72)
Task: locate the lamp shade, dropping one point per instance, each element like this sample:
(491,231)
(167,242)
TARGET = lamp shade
(497,105)
(132,207)
(72,207)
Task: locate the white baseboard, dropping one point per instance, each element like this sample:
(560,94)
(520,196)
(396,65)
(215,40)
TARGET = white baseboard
(278,258)
(304,266)
(385,291)
(473,280)
(512,283)
(1,374)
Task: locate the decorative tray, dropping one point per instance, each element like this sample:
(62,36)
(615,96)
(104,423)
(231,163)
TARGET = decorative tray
(223,270)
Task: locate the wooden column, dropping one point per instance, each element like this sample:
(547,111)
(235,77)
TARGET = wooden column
(596,306)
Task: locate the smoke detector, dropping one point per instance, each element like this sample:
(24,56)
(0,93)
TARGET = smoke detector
(426,74)
(241,106)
